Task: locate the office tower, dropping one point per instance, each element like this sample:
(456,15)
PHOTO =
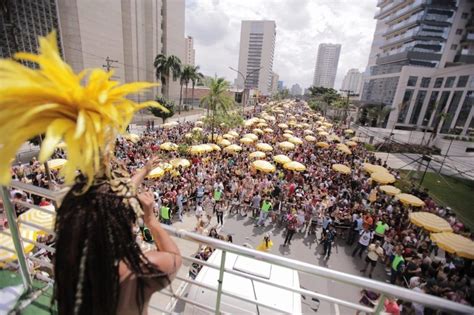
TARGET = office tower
(421,64)
(280,85)
(257,47)
(352,81)
(296,90)
(274,88)
(326,65)
(189,51)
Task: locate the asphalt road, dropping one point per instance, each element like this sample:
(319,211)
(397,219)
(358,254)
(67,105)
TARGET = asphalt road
(307,249)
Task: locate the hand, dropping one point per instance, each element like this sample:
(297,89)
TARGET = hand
(147,201)
(151,164)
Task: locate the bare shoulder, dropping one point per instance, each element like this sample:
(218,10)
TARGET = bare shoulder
(167,262)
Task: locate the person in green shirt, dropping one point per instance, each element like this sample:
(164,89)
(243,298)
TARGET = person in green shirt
(165,213)
(266,206)
(217,198)
(398,265)
(380,228)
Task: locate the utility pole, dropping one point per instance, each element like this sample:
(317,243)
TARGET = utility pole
(349,93)
(245,78)
(109,63)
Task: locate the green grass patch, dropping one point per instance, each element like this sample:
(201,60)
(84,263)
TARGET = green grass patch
(457,193)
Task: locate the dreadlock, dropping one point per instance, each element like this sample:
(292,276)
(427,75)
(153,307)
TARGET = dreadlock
(94,233)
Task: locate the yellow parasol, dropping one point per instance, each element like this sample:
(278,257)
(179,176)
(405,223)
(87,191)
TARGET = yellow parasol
(188,135)
(383,177)
(197,129)
(262,125)
(308,132)
(198,123)
(285,145)
(233,133)
(157,172)
(258,131)
(40,218)
(357,139)
(6,242)
(246,140)
(287,135)
(371,168)
(294,166)
(224,143)
(351,143)
(343,148)
(263,166)
(265,147)
(334,138)
(288,131)
(283,126)
(233,148)
(430,222)
(228,136)
(214,137)
(349,131)
(180,162)
(310,138)
(257,155)
(281,159)
(410,200)
(198,149)
(295,140)
(341,168)
(170,124)
(323,133)
(56,164)
(389,190)
(454,244)
(322,144)
(214,147)
(169,146)
(165,166)
(268,130)
(252,136)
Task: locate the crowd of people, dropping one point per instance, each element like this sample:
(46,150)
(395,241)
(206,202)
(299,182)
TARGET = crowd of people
(344,208)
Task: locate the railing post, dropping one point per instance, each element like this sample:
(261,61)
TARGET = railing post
(219,286)
(380,304)
(12,224)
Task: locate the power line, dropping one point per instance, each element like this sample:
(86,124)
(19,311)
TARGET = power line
(109,63)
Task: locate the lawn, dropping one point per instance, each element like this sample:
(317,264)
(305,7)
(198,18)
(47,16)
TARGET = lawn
(448,191)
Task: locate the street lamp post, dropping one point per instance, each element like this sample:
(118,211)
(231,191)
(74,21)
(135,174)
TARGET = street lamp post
(349,93)
(245,78)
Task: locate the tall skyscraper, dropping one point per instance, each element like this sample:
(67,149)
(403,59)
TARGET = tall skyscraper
(257,47)
(352,81)
(189,52)
(274,88)
(326,65)
(419,48)
(296,90)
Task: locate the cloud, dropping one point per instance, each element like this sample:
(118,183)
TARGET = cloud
(301,26)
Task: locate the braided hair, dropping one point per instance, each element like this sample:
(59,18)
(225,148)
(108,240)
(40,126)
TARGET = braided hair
(94,234)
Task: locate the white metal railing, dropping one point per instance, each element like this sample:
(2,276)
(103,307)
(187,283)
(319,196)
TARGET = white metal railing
(343,278)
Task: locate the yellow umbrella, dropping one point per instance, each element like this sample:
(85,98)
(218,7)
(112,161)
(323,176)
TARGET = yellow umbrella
(295,140)
(281,159)
(410,200)
(198,149)
(252,136)
(371,168)
(6,241)
(257,155)
(170,124)
(214,138)
(343,148)
(357,139)
(285,145)
(322,144)
(265,147)
(224,142)
(188,135)
(198,123)
(197,129)
(207,147)
(306,125)
(308,132)
(454,244)
(262,125)
(157,172)
(341,168)
(38,217)
(288,131)
(214,147)
(258,131)
(310,138)
(233,133)
(169,146)
(430,222)
(323,133)
(351,143)
(228,136)
(294,166)
(283,126)
(287,135)
(263,166)
(383,177)
(180,162)
(233,148)
(165,166)
(246,140)
(268,130)
(334,138)
(56,164)
(390,190)
(349,131)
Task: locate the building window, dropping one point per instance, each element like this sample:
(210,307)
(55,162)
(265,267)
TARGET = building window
(449,82)
(453,107)
(430,109)
(420,98)
(438,83)
(464,15)
(454,47)
(462,81)
(405,106)
(464,113)
(425,82)
(459,31)
(443,100)
(412,81)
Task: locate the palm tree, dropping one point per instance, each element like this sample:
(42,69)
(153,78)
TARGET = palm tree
(166,66)
(380,113)
(218,99)
(185,76)
(196,77)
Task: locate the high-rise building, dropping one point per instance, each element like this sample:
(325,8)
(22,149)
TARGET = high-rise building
(326,65)
(352,81)
(274,88)
(296,89)
(280,86)
(257,47)
(421,64)
(189,51)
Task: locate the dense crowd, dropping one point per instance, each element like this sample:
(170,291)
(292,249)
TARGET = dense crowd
(335,207)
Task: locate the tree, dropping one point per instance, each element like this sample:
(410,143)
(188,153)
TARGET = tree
(166,66)
(327,95)
(218,99)
(162,114)
(379,113)
(185,77)
(196,78)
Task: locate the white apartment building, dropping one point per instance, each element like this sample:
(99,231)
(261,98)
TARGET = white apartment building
(275,78)
(352,81)
(421,65)
(326,65)
(130,33)
(257,47)
(296,90)
(189,51)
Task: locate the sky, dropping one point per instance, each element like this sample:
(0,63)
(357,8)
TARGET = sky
(301,26)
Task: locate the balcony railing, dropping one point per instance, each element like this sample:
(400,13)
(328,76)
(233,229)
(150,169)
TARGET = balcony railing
(416,5)
(214,306)
(403,24)
(388,8)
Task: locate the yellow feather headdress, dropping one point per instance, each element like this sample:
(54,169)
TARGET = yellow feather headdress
(85,110)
